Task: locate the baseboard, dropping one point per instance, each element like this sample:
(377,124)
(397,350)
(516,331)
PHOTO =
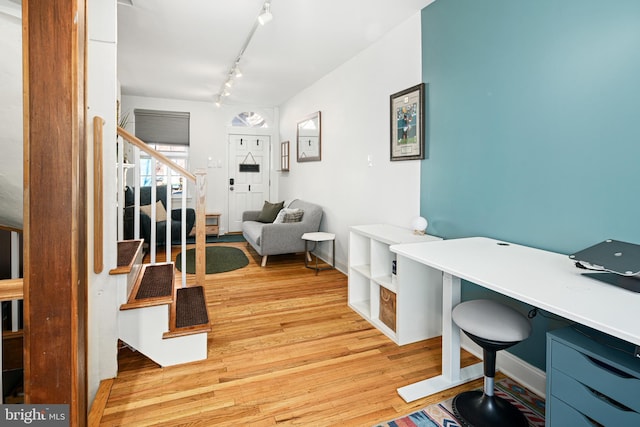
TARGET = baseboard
(326,256)
(100,402)
(524,373)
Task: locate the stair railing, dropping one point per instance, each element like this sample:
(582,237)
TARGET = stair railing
(198,181)
(11,290)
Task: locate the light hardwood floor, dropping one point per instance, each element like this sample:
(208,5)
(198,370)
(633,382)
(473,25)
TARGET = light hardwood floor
(285,349)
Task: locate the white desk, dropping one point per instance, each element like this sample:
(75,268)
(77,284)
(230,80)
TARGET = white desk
(546,280)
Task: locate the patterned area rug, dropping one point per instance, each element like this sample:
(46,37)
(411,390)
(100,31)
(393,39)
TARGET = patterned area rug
(441,414)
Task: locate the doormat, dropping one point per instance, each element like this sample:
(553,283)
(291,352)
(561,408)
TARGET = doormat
(441,414)
(219,259)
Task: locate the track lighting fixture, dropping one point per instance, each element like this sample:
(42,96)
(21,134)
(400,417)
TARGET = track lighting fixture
(234,72)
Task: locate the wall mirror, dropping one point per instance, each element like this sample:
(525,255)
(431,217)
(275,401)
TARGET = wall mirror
(284,156)
(309,138)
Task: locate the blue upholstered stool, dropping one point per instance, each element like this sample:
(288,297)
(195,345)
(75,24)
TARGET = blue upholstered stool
(493,326)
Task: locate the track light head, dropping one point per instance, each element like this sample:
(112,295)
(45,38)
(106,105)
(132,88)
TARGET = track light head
(266,15)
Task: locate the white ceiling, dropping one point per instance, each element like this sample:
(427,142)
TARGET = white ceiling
(184,50)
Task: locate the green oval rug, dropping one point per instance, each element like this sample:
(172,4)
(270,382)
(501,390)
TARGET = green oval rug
(218,259)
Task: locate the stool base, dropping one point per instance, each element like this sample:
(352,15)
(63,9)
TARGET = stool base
(476,409)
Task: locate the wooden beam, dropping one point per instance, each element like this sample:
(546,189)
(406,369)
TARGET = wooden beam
(55,210)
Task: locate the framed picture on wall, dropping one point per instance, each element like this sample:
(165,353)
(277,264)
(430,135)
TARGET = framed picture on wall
(284,156)
(407,124)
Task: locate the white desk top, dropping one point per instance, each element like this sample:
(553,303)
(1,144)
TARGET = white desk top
(546,280)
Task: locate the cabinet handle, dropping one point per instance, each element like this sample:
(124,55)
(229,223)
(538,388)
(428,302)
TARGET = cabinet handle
(608,400)
(612,369)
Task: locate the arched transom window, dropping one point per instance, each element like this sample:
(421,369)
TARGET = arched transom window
(249,119)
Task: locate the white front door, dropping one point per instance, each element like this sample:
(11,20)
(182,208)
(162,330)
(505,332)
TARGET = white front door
(248,182)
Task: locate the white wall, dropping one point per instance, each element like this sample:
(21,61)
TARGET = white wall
(354,101)
(11,114)
(209,126)
(101,101)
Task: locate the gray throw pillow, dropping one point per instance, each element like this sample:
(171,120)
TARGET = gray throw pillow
(295,216)
(269,211)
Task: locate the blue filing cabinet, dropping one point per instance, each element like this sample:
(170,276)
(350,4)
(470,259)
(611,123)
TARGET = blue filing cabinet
(592,379)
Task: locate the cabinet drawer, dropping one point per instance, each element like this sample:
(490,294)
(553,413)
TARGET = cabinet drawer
(589,402)
(560,414)
(211,229)
(598,375)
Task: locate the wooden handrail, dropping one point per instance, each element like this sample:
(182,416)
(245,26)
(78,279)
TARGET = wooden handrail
(8,228)
(199,178)
(158,156)
(11,289)
(98,203)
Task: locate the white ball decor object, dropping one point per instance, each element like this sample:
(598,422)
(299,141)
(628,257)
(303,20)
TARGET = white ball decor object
(419,225)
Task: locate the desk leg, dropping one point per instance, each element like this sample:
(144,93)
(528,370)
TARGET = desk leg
(450,332)
(451,375)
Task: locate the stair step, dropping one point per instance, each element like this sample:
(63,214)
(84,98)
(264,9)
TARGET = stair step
(154,286)
(128,251)
(189,313)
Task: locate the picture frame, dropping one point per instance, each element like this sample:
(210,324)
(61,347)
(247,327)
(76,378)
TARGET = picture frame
(407,124)
(284,156)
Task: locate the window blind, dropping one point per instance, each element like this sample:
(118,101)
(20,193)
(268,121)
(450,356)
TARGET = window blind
(162,127)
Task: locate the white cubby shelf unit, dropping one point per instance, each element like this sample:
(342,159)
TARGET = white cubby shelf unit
(417,287)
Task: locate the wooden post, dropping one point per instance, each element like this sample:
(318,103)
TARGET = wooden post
(55,210)
(201,239)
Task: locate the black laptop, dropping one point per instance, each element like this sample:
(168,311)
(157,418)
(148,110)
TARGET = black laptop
(616,263)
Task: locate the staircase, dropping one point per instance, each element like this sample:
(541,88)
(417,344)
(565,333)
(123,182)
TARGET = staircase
(160,319)
(147,310)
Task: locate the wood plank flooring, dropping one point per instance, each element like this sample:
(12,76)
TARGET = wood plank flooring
(285,349)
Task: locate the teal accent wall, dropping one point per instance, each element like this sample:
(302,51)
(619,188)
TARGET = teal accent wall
(533,128)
